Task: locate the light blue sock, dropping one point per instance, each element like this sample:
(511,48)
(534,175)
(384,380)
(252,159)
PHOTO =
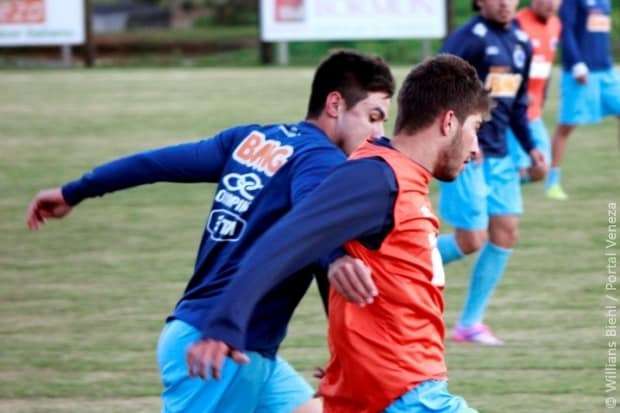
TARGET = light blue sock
(486,274)
(554,177)
(449,248)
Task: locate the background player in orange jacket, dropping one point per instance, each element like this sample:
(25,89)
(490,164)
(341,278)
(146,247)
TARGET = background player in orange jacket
(543,27)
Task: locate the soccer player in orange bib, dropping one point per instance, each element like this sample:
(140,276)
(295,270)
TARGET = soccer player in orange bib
(387,356)
(543,27)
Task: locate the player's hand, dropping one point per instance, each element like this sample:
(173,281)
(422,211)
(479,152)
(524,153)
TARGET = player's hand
(538,159)
(206,357)
(478,158)
(352,279)
(318,373)
(580,73)
(582,79)
(46,204)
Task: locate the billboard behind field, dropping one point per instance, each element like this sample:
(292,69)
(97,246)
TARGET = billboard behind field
(299,20)
(41,22)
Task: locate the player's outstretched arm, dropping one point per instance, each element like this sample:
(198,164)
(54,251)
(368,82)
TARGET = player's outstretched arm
(47,204)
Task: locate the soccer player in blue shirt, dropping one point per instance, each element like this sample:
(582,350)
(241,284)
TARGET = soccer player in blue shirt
(590,88)
(262,172)
(484,203)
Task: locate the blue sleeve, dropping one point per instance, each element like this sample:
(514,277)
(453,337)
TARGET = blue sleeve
(570,49)
(307,174)
(355,201)
(519,122)
(311,168)
(200,161)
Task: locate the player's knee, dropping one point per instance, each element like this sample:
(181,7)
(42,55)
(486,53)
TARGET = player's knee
(563,131)
(513,236)
(506,237)
(471,241)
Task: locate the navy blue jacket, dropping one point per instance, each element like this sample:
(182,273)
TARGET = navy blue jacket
(262,172)
(502,58)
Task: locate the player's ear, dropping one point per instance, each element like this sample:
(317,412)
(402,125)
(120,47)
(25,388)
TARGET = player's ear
(333,103)
(448,123)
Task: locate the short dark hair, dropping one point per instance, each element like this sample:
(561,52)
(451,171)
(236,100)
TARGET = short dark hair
(474,5)
(445,82)
(353,75)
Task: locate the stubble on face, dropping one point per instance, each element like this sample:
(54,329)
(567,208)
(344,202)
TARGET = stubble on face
(450,160)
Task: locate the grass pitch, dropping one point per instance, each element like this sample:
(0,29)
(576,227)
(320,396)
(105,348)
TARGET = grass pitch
(83,301)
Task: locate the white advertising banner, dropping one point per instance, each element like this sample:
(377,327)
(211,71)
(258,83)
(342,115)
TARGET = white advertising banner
(41,22)
(299,20)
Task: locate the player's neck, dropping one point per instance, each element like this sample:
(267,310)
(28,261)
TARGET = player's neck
(328,126)
(542,19)
(420,147)
(496,24)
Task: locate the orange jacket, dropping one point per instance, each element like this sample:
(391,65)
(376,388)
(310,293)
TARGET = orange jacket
(381,351)
(544,37)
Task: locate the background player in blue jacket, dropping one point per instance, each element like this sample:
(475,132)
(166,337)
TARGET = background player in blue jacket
(485,200)
(261,171)
(590,87)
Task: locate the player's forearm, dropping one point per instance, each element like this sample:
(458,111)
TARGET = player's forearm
(570,47)
(188,162)
(519,124)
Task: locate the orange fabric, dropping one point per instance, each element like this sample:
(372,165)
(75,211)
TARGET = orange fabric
(544,37)
(381,351)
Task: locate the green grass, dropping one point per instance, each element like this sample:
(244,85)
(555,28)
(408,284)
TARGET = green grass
(82,302)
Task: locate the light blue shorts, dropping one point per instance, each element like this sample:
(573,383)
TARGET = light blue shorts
(589,103)
(431,396)
(481,190)
(541,142)
(262,386)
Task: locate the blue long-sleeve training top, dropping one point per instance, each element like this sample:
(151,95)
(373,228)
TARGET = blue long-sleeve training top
(356,201)
(262,171)
(502,57)
(586,27)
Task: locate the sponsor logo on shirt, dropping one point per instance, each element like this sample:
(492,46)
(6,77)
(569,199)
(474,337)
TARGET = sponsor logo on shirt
(518,56)
(264,155)
(502,83)
(225,226)
(247,185)
(239,191)
(598,22)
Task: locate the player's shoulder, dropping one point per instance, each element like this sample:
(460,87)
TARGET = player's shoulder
(525,19)
(475,28)
(309,143)
(301,135)
(471,36)
(555,24)
(520,35)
